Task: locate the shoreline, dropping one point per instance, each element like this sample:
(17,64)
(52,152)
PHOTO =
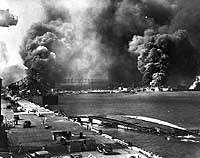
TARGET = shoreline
(149,154)
(134,149)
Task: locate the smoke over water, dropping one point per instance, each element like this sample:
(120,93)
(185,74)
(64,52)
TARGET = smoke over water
(116,25)
(164,55)
(89,39)
(65,44)
(168,54)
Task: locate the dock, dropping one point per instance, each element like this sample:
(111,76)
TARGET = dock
(37,137)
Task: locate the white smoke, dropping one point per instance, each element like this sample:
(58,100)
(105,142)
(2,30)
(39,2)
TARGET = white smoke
(28,12)
(86,59)
(3,54)
(84,51)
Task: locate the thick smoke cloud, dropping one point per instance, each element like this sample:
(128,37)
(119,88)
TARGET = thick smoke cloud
(188,17)
(37,51)
(89,39)
(182,54)
(164,55)
(116,25)
(66,37)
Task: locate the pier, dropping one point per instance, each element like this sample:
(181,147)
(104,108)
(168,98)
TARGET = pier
(141,125)
(38,136)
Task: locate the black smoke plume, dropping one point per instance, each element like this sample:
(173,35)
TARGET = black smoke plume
(187,17)
(162,55)
(63,46)
(116,25)
(89,39)
(37,51)
(182,54)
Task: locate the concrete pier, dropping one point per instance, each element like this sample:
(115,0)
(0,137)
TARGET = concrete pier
(37,136)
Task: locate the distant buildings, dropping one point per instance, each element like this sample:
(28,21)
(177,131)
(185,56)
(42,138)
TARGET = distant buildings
(78,84)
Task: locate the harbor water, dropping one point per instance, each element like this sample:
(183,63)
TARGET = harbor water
(180,108)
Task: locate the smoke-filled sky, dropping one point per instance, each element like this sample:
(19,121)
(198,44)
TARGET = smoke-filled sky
(90,38)
(28,12)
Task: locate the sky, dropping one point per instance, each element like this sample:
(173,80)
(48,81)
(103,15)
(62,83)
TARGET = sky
(28,13)
(102,30)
